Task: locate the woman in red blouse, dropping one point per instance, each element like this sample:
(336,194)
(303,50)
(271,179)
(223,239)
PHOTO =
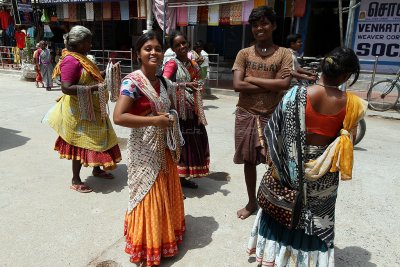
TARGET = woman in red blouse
(195,156)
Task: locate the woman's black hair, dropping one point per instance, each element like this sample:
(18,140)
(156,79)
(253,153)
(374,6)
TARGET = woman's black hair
(262,12)
(341,60)
(150,35)
(173,35)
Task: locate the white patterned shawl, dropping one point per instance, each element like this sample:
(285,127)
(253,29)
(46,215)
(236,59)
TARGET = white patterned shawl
(144,162)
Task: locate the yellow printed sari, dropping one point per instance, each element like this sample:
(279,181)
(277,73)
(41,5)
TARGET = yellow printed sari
(93,142)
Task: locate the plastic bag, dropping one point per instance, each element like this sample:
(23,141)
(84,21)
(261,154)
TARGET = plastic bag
(44,18)
(47,33)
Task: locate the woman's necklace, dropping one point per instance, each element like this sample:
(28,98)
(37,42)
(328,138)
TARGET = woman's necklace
(327,86)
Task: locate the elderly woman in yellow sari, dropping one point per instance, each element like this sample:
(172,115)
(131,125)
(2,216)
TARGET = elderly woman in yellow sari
(86,135)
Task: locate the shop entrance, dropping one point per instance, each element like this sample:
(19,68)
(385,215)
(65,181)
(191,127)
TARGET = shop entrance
(322,29)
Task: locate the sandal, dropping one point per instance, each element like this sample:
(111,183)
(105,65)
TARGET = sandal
(188,183)
(104,175)
(81,188)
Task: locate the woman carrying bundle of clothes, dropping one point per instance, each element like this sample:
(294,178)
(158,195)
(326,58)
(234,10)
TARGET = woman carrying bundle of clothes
(86,135)
(195,157)
(154,221)
(310,145)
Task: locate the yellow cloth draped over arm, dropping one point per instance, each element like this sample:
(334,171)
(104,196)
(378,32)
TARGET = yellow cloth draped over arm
(88,65)
(343,155)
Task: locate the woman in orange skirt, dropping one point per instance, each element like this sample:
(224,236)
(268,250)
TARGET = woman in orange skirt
(154,221)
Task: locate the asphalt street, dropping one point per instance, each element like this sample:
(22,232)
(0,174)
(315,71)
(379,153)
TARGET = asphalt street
(44,223)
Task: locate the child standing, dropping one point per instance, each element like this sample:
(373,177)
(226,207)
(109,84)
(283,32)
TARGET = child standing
(294,42)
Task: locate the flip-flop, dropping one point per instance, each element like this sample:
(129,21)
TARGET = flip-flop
(104,175)
(81,188)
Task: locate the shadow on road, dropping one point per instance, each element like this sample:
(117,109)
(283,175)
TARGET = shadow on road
(210,97)
(353,256)
(360,148)
(208,107)
(209,185)
(106,186)
(10,139)
(198,234)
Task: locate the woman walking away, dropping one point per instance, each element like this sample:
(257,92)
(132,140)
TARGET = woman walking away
(86,135)
(195,157)
(46,67)
(154,221)
(310,143)
(37,67)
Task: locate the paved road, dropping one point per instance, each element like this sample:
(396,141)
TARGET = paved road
(43,223)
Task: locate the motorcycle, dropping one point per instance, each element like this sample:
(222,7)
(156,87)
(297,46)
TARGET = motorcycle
(361,129)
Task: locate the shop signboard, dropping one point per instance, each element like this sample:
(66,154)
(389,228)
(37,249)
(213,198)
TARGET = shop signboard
(22,10)
(378,34)
(65,1)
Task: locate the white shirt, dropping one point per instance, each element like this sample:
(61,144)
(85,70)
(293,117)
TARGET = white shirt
(296,64)
(168,55)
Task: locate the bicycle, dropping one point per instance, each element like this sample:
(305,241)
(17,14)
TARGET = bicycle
(382,95)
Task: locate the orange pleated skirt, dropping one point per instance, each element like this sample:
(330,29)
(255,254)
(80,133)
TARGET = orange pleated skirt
(156,225)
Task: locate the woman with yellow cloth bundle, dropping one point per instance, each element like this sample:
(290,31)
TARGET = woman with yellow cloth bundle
(310,143)
(86,135)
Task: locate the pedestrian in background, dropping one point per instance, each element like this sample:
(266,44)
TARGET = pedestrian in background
(86,135)
(205,62)
(261,76)
(154,221)
(37,66)
(310,141)
(45,65)
(168,55)
(294,43)
(195,156)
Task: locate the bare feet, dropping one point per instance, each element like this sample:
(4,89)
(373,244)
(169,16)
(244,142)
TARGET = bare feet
(247,211)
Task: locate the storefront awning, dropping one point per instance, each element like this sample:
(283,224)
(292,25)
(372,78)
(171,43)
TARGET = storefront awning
(180,3)
(65,1)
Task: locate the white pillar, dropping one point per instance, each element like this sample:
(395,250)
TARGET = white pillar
(350,24)
(149,16)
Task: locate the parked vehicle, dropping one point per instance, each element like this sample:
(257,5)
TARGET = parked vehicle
(384,95)
(361,129)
